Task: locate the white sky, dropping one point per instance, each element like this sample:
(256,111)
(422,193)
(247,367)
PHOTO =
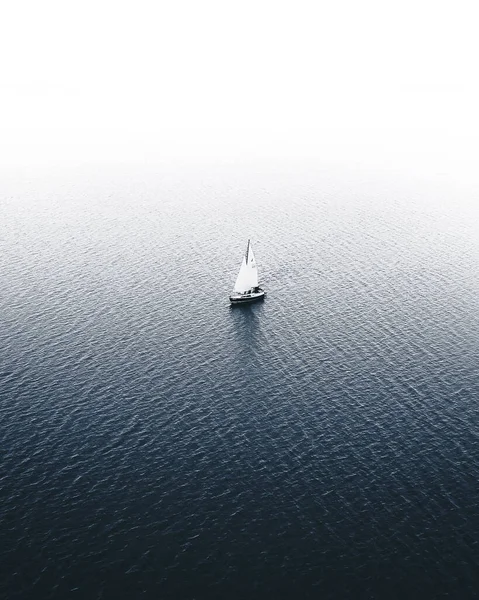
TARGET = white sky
(375,82)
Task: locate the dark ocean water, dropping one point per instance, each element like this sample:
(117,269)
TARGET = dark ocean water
(157,443)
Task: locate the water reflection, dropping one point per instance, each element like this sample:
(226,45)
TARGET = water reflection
(246,322)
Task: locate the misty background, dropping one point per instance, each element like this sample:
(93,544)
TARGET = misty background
(381,85)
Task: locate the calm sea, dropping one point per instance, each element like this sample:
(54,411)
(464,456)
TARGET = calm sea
(157,443)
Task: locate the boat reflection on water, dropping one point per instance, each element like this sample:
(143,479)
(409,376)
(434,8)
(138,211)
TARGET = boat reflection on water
(246,320)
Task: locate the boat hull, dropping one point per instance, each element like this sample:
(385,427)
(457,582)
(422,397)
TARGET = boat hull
(247,298)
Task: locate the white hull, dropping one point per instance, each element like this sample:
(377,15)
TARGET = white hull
(244,298)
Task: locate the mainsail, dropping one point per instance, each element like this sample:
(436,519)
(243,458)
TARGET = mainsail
(248,273)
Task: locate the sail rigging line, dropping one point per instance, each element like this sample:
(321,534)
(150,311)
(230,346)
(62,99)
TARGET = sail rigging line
(246,287)
(247,278)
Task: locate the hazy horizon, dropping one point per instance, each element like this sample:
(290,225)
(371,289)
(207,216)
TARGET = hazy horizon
(358,85)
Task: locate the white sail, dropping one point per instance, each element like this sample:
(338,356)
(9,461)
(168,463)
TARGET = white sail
(248,273)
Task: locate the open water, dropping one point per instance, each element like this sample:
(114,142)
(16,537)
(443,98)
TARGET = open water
(157,443)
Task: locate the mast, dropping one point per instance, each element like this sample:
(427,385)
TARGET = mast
(248,274)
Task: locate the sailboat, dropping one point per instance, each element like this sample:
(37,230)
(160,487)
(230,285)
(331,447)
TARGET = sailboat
(246,288)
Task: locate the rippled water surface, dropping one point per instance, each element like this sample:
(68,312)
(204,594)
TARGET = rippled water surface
(157,443)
